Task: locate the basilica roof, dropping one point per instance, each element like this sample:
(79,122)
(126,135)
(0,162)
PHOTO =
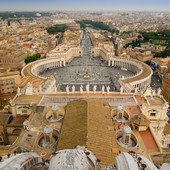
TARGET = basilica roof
(88,123)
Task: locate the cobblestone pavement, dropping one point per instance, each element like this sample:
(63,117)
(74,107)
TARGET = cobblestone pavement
(99,73)
(156,81)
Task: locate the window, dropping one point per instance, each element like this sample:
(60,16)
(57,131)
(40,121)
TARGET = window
(168,145)
(24,111)
(152,114)
(127,139)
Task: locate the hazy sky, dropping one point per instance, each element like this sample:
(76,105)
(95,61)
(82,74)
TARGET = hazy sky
(30,5)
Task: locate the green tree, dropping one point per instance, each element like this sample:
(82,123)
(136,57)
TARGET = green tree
(32,58)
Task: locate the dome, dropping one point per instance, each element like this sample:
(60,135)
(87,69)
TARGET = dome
(27,159)
(54,107)
(165,166)
(119,107)
(126,161)
(127,129)
(47,130)
(25,123)
(140,120)
(70,159)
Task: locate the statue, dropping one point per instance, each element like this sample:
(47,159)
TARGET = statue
(159,91)
(55,88)
(108,89)
(67,89)
(94,89)
(87,88)
(103,89)
(81,89)
(121,89)
(73,89)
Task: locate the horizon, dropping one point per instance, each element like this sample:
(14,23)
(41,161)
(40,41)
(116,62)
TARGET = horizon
(85,11)
(75,5)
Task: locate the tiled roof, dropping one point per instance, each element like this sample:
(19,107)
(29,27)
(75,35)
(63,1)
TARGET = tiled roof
(88,123)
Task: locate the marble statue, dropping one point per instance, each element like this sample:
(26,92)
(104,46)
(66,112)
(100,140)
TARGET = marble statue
(121,89)
(67,89)
(159,91)
(94,89)
(81,89)
(103,89)
(73,89)
(87,88)
(108,89)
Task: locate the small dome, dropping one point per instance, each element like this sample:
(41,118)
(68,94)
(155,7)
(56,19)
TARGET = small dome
(119,107)
(140,120)
(165,166)
(127,129)
(25,123)
(47,130)
(79,158)
(126,161)
(54,107)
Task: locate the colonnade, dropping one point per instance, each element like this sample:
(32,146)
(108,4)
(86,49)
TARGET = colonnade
(138,82)
(38,68)
(125,64)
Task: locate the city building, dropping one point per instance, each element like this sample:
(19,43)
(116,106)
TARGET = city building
(166,87)
(9,82)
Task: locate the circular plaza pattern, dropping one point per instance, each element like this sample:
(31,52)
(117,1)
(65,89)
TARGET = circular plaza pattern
(98,71)
(116,74)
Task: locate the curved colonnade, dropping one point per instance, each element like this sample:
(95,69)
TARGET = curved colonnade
(139,82)
(37,67)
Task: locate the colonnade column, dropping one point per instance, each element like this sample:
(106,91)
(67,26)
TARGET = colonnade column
(109,63)
(112,62)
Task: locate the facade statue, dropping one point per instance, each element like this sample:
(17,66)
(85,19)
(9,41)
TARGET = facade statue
(94,89)
(67,89)
(108,89)
(87,88)
(81,89)
(121,89)
(103,89)
(159,91)
(73,89)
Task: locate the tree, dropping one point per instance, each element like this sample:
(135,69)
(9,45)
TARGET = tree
(32,58)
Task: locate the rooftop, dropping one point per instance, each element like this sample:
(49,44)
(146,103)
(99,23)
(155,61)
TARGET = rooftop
(89,123)
(155,100)
(145,73)
(27,99)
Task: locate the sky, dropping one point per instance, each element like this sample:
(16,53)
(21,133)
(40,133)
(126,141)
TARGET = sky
(76,5)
